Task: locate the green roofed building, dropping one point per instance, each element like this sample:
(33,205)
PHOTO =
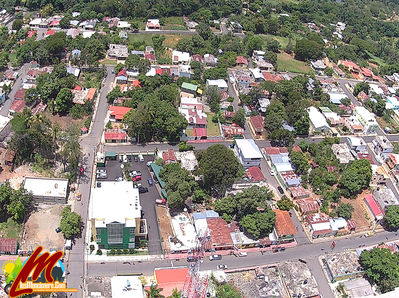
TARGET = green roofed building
(190,88)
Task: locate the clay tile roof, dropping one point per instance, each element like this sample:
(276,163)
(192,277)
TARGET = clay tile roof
(90,94)
(296,148)
(284,224)
(118,111)
(219,231)
(255,174)
(115,134)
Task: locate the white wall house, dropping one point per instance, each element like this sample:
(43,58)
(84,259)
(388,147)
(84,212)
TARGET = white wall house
(248,153)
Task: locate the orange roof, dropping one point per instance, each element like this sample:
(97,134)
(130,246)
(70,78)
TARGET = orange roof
(170,278)
(90,94)
(119,112)
(284,224)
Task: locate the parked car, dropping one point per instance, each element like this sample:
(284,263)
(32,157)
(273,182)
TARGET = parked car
(139,185)
(215,257)
(191,259)
(58,230)
(149,163)
(160,201)
(143,189)
(222,267)
(280,189)
(242,254)
(124,158)
(141,158)
(272,172)
(150,182)
(135,158)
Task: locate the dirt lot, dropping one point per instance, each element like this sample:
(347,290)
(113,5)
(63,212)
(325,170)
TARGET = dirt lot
(65,121)
(164,226)
(359,214)
(17,176)
(40,229)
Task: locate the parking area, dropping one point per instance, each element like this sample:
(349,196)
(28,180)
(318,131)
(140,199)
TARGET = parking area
(147,200)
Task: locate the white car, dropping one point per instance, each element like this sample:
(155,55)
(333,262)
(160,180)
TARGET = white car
(272,172)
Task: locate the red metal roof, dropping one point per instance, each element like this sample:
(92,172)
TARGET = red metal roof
(77,88)
(219,232)
(118,111)
(284,224)
(272,77)
(308,206)
(170,278)
(115,134)
(169,156)
(149,56)
(30,33)
(50,32)
(257,122)
(350,64)
(199,132)
(373,206)
(241,60)
(317,218)
(18,105)
(299,192)
(276,150)
(122,72)
(54,23)
(255,174)
(8,245)
(20,94)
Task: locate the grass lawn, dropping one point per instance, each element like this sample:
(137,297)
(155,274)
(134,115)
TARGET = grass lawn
(377,60)
(170,39)
(108,62)
(395,147)
(286,62)
(174,21)
(10,229)
(212,129)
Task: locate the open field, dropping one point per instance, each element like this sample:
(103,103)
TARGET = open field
(173,23)
(10,229)
(286,62)
(212,129)
(170,39)
(360,213)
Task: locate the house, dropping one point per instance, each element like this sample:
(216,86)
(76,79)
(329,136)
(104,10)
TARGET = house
(366,118)
(284,229)
(220,84)
(257,75)
(235,27)
(318,65)
(268,76)
(123,25)
(248,153)
(308,206)
(88,24)
(169,156)
(299,192)
(152,24)
(210,60)
(241,61)
(75,54)
(342,152)
(47,190)
(264,65)
(385,197)
(189,88)
(232,131)
(357,144)
(193,112)
(257,123)
(184,238)
(317,120)
(117,223)
(8,246)
(73,70)
(198,58)
(88,34)
(255,174)
(367,73)
(319,225)
(18,105)
(115,136)
(333,118)
(373,207)
(219,232)
(262,105)
(382,146)
(126,286)
(169,279)
(180,57)
(10,75)
(118,52)
(289,177)
(350,66)
(118,112)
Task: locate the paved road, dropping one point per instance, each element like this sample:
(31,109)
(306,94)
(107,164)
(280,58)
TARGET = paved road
(76,263)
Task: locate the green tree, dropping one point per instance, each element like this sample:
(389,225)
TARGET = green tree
(282,137)
(70,150)
(345,210)
(381,267)
(258,224)
(227,291)
(213,98)
(64,101)
(391,217)
(239,117)
(132,61)
(252,43)
(17,24)
(175,294)
(157,41)
(175,201)
(15,204)
(275,115)
(300,162)
(114,94)
(285,204)
(306,49)
(359,87)
(71,223)
(355,177)
(219,167)
(154,292)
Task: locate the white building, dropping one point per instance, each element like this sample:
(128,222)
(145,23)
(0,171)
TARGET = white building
(366,118)
(319,123)
(357,144)
(248,153)
(220,84)
(126,287)
(181,57)
(257,74)
(123,25)
(185,236)
(382,146)
(47,190)
(342,152)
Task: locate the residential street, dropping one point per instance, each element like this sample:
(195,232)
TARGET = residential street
(76,261)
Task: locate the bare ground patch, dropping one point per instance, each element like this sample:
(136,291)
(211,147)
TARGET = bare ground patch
(164,226)
(40,229)
(361,214)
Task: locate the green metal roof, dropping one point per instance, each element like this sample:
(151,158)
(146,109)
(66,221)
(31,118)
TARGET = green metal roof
(325,109)
(189,86)
(163,192)
(110,154)
(156,169)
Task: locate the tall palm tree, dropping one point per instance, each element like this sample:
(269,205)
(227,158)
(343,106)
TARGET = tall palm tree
(154,292)
(175,294)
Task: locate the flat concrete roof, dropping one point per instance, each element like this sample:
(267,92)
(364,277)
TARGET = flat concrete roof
(46,187)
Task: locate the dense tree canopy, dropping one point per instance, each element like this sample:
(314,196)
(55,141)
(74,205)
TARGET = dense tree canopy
(71,223)
(392,217)
(355,177)
(14,204)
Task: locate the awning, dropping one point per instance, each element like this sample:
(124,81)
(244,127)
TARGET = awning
(110,154)
(163,192)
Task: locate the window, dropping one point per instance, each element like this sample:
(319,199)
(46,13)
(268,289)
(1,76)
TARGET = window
(98,231)
(131,239)
(115,233)
(131,232)
(98,239)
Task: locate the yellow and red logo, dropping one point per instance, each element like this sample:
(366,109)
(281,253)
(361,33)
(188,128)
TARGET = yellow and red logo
(40,273)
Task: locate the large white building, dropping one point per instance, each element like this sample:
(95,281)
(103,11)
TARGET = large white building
(248,153)
(127,286)
(220,84)
(318,121)
(366,118)
(47,190)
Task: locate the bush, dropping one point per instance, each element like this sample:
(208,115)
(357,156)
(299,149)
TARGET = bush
(215,118)
(131,251)
(91,248)
(119,252)
(112,252)
(99,252)
(125,251)
(230,99)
